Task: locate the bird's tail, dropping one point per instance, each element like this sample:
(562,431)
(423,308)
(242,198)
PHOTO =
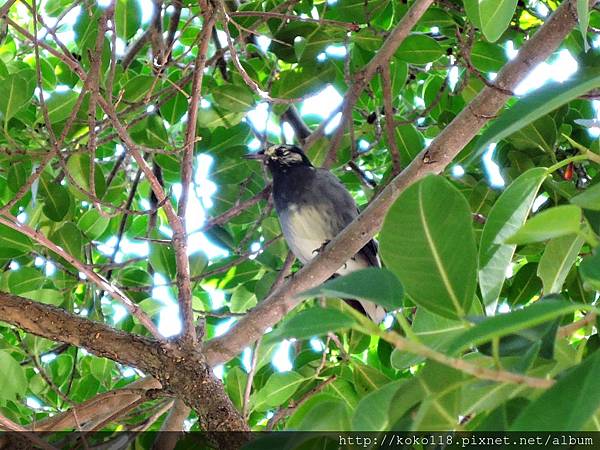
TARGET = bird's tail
(373,311)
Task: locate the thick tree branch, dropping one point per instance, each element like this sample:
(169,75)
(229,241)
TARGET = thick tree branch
(8,425)
(431,160)
(181,371)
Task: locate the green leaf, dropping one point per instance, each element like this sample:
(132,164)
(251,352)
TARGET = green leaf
(578,388)
(436,17)
(13,243)
(54,7)
(128,18)
(488,57)
(495,17)
(367,378)
(79,168)
(472,10)
(419,49)
(138,87)
(583,16)
(524,285)
(326,413)
(223,139)
(432,330)
(367,39)
(174,108)
(435,254)
(303,81)
(134,276)
(60,106)
(373,284)
(313,322)
(398,76)
(235,385)
(410,142)
(70,239)
(559,256)
(198,262)
(512,322)
(536,105)
(242,300)
(551,223)
(25,279)
(93,224)
(48,75)
(540,133)
(527,344)
(13,375)
(213,117)
(162,259)
(314,44)
(507,215)
(232,97)
(355,10)
(101,369)
(57,200)
(590,270)
(277,390)
(588,199)
(18,174)
(15,93)
(372,412)
(46,296)
(441,402)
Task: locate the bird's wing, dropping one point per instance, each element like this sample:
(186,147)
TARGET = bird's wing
(348,212)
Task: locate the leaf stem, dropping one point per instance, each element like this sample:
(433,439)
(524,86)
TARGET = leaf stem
(408,331)
(567,161)
(400,342)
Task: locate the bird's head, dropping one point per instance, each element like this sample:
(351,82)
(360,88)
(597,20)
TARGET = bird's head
(281,157)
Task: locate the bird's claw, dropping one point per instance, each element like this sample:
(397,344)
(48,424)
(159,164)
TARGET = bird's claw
(320,249)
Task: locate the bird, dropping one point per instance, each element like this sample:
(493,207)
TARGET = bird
(313,207)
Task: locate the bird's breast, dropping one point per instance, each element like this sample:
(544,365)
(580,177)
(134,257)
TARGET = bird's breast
(306,228)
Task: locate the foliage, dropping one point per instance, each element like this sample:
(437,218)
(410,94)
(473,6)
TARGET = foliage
(502,279)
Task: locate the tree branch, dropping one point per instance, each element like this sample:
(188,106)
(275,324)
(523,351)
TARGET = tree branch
(285,17)
(172,427)
(181,371)
(184,287)
(389,119)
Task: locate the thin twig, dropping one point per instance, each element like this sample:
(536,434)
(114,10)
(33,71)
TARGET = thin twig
(386,82)
(285,17)
(250,379)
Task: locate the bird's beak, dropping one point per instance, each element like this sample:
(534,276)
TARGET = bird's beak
(258,155)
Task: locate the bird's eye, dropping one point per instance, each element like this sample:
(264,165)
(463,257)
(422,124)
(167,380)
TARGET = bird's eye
(281,151)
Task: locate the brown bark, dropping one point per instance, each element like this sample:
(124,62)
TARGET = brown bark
(183,372)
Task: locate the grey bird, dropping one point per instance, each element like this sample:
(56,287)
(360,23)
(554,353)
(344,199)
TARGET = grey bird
(314,207)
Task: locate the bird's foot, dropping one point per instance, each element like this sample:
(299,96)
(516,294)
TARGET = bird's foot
(320,249)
